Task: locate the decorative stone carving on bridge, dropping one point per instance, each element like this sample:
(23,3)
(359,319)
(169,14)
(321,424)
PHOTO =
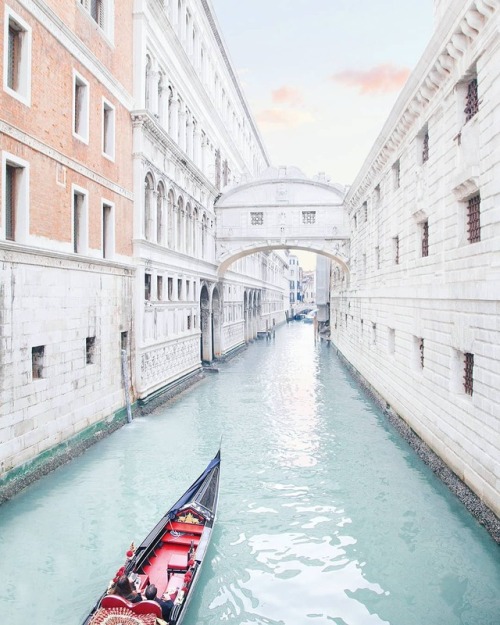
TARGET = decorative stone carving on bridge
(282,209)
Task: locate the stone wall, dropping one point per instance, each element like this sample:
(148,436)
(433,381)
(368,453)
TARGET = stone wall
(417,315)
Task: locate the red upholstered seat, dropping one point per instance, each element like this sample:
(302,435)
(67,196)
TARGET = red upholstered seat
(115,601)
(147,607)
(177,562)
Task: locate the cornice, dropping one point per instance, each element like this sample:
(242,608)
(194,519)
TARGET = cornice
(37,145)
(449,44)
(145,120)
(216,33)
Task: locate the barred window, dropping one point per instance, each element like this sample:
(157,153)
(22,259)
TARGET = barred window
(425,148)
(10,202)
(308,217)
(421,350)
(425,238)
(365,211)
(257,219)
(471,100)
(395,243)
(469,373)
(37,362)
(90,350)
(17,71)
(473,219)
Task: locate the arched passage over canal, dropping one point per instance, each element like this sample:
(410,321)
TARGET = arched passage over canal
(326,515)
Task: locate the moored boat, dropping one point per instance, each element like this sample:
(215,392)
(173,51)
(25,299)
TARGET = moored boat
(170,558)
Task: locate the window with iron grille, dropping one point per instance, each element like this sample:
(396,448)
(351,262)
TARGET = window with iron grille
(37,361)
(395,243)
(421,351)
(308,217)
(374,333)
(147,286)
(474,219)
(365,211)
(257,219)
(425,238)
(471,100)
(90,350)
(425,147)
(468,373)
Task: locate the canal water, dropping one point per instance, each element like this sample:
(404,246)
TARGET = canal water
(326,515)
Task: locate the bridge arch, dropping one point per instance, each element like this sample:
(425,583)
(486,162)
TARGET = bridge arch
(282,209)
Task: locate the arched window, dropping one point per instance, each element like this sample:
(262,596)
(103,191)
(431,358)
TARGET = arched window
(148,207)
(160,214)
(189,229)
(180,224)
(196,227)
(170,220)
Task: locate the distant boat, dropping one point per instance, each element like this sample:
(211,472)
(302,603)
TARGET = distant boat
(170,557)
(309,318)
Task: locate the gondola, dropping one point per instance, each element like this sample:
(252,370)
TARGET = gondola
(170,557)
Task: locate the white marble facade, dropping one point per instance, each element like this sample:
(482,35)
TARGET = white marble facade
(417,314)
(193,136)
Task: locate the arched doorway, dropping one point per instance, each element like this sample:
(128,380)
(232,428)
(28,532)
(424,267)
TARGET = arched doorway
(216,324)
(206,351)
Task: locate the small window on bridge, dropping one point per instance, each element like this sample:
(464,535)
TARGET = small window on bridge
(308,217)
(257,219)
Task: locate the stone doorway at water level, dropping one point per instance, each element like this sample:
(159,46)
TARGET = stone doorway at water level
(210,338)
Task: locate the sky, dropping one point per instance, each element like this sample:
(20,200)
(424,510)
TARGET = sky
(321,76)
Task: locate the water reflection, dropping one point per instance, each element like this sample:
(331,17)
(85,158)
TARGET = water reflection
(325,515)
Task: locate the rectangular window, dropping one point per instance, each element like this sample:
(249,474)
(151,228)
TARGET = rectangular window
(108,129)
(15,200)
(10,202)
(396,173)
(90,350)
(96,10)
(425,147)
(377,194)
(471,100)
(79,222)
(147,287)
(421,352)
(80,107)
(395,247)
(189,322)
(37,362)
(473,219)
(159,288)
(170,288)
(17,57)
(257,219)
(391,340)
(179,289)
(108,231)
(425,238)
(124,341)
(468,374)
(365,211)
(188,289)
(308,217)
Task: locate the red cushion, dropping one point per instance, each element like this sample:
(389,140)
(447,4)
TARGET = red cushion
(146,607)
(115,601)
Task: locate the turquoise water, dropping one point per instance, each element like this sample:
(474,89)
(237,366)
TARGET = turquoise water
(325,515)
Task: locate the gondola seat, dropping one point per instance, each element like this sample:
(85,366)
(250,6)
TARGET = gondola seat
(115,601)
(147,607)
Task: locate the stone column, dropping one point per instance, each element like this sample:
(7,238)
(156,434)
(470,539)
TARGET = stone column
(197,145)
(182,127)
(174,117)
(189,135)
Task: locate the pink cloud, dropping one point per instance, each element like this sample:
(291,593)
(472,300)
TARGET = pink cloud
(287,95)
(380,79)
(283,117)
